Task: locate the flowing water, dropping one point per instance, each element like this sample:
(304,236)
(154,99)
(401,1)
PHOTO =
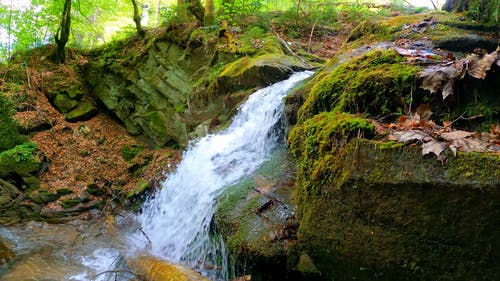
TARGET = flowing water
(175,224)
(177,220)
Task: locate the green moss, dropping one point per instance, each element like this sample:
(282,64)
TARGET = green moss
(70,202)
(370,210)
(63,191)
(24,160)
(139,189)
(9,134)
(376,83)
(317,140)
(130,152)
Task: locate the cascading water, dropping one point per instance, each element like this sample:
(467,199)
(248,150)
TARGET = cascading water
(176,221)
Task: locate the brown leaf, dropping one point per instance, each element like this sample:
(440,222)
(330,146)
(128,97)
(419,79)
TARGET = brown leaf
(481,66)
(456,135)
(411,135)
(442,79)
(433,146)
(470,145)
(424,111)
(495,129)
(447,124)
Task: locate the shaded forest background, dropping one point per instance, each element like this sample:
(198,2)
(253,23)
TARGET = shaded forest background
(88,24)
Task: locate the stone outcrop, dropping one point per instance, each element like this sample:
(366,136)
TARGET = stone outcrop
(157,97)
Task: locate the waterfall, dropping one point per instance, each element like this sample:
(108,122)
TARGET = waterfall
(176,221)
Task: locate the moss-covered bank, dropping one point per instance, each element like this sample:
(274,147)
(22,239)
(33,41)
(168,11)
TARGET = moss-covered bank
(381,211)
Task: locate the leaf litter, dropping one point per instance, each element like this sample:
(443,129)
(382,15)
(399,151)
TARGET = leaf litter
(440,78)
(436,139)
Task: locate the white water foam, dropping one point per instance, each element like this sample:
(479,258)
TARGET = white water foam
(177,219)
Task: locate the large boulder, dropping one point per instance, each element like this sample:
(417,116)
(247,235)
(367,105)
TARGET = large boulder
(372,210)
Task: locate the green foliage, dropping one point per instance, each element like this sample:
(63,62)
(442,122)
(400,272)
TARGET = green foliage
(484,10)
(9,134)
(235,11)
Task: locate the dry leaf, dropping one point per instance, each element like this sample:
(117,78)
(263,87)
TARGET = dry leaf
(424,111)
(447,124)
(433,146)
(455,135)
(437,79)
(470,144)
(479,68)
(495,129)
(410,136)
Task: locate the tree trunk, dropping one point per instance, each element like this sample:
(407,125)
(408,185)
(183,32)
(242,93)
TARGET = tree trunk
(197,10)
(209,11)
(192,6)
(137,19)
(62,34)
(456,5)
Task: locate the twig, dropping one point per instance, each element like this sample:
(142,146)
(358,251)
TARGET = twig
(290,51)
(311,35)
(409,4)
(433,4)
(461,117)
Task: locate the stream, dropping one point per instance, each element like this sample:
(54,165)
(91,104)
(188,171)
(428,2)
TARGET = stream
(174,224)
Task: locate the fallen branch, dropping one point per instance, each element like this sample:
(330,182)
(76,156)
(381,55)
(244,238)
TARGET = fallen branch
(311,36)
(290,51)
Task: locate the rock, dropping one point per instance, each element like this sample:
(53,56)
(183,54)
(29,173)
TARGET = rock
(254,72)
(6,254)
(95,189)
(256,219)
(43,196)
(64,103)
(7,192)
(23,160)
(84,111)
(63,191)
(367,208)
(70,202)
(466,43)
(154,269)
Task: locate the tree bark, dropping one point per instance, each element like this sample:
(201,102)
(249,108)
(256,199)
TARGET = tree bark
(209,12)
(456,5)
(62,34)
(137,19)
(193,6)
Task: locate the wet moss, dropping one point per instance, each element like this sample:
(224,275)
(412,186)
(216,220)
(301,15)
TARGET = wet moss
(377,83)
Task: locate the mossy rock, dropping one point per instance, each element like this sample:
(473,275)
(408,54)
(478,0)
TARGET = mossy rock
(381,211)
(64,103)
(377,83)
(24,160)
(70,202)
(63,191)
(8,192)
(95,190)
(256,218)
(84,111)
(43,196)
(260,71)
